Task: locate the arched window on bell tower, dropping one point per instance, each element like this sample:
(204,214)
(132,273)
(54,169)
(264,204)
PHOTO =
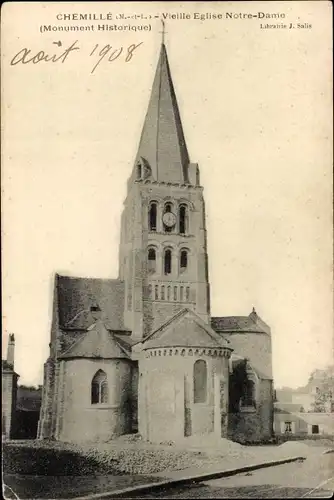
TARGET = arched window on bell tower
(183,261)
(151,261)
(168,262)
(183,219)
(152,216)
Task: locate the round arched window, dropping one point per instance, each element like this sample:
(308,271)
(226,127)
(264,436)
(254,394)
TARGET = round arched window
(99,388)
(183,219)
(152,216)
(151,261)
(168,262)
(183,261)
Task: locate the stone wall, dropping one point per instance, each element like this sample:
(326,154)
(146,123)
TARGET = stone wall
(254,346)
(9,389)
(137,236)
(298,426)
(44,430)
(134,397)
(167,409)
(79,419)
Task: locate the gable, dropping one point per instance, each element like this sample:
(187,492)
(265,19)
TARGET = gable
(185,329)
(96,342)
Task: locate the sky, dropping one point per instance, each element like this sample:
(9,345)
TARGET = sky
(255,105)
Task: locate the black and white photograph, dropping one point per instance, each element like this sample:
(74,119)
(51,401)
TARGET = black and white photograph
(167,250)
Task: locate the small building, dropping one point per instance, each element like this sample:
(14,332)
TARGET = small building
(289,420)
(9,391)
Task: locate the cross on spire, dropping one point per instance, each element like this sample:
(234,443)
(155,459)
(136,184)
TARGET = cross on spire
(163,32)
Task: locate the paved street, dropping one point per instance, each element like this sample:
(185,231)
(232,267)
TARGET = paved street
(313,478)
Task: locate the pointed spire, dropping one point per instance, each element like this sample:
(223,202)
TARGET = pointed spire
(163,32)
(162,148)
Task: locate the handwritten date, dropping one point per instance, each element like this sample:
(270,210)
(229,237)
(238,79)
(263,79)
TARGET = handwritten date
(113,54)
(107,53)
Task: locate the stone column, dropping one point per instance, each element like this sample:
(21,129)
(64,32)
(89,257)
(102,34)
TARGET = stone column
(142,410)
(44,425)
(217,407)
(61,385)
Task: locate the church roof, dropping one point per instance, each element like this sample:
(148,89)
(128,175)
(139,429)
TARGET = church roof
(76,296)
(97,342)
(162,148)
(251,323)
(124,340)
(185,329)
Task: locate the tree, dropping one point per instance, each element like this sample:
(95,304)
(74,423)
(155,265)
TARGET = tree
(321,382)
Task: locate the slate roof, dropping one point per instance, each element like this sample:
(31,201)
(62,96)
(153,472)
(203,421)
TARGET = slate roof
(162,144)
(125,340)
(251,323)
(185,329)
(97,342)
(75,296)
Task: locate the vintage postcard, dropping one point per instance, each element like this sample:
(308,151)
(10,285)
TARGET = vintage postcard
(167,249)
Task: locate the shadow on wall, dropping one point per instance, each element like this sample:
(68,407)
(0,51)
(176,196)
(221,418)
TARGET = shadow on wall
(26,424)
(238,386)
(242,427)
(27,412)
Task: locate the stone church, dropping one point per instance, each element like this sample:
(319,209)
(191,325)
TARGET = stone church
(141,353)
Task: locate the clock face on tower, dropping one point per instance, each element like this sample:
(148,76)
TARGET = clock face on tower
(169,219)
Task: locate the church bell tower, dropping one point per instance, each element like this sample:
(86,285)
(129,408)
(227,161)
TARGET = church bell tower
(163,250)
